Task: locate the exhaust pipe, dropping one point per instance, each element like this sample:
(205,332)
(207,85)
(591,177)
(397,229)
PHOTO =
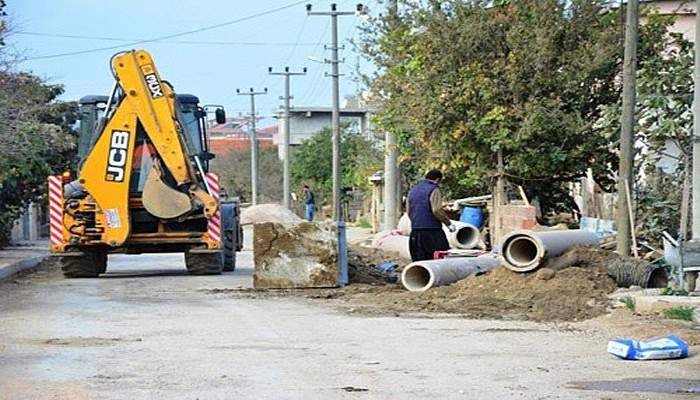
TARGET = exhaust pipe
(524,251)
(420,276)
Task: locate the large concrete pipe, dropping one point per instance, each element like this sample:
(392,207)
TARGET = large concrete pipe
(420,276)
(392,241)
(466,237)
(524,251)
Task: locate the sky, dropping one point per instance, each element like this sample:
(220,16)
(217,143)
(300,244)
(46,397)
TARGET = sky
(211,64)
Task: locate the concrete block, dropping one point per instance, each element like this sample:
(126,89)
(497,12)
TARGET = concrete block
(655,304)
(295,256)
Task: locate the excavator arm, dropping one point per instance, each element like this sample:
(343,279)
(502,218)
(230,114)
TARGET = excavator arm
(147,104)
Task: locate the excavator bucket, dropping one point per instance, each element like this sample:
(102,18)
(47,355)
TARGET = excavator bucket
(161,200)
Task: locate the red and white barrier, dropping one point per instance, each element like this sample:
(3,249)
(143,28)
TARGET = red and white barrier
(56,210)
(214,225)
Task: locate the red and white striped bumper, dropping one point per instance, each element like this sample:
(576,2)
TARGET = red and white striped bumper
(214,225)
(56,210)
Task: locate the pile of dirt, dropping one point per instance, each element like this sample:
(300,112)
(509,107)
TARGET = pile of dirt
(268,213)
(363,263)
(571,294)
(626,271)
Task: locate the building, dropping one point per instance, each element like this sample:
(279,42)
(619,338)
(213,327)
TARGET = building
(684,11)
(307,121)
(231,136)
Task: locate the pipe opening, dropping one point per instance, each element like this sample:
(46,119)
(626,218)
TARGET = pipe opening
(416,278)
(467,237)
(521,251)
(657,279)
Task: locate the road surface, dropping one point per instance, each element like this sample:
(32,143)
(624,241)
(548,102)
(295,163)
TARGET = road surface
(148,331)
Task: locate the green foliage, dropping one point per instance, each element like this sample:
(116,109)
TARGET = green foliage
(674,292)
(664,124)
(363,223)
(460,79)
(629,302)
(36,139)
(312,163)
(235,174)
(684,313)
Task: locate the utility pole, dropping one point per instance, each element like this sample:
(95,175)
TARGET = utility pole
(335,122)
(253,143)
(285,138)
(391,154)
(626,169)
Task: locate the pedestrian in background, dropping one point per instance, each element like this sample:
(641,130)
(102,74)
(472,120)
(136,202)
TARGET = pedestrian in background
(309,203)
(424,207)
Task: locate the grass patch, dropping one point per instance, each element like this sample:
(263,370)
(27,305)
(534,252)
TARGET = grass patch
(629,302)
(363,223)
(674,292)
(684,313)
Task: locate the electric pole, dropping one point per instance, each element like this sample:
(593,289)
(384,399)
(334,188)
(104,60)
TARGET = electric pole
(285,138)
(391,154)
(253,143)
(335,122)
(626,170)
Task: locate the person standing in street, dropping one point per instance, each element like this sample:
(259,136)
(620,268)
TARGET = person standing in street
(309,204)
(424,205)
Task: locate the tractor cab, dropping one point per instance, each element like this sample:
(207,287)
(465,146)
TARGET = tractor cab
(191,115)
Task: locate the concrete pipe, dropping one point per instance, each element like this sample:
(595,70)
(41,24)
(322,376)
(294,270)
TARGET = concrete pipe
(392,241)
(466,237)
(524,251)
(420,276)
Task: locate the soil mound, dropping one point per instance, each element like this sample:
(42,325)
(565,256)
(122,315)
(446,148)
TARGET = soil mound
(571,294)
(363,263)
(268,213)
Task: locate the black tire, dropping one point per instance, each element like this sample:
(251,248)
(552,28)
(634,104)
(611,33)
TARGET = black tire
(229,251)
(209,263)
(230,239)
(84,265)
(101,262)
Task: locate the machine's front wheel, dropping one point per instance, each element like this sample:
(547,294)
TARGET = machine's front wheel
(83,264)
(204,262)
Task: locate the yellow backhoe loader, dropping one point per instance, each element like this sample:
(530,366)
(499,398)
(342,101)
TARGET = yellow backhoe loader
(143,184)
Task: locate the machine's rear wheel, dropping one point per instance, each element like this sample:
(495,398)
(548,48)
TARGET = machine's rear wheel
(229,251)
(84,264)
(204,263)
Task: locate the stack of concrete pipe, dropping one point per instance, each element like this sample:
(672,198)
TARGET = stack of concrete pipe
(465,237)
(524,251)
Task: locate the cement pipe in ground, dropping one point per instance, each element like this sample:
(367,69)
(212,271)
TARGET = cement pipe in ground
(466,237)
(420,276)
(524,251)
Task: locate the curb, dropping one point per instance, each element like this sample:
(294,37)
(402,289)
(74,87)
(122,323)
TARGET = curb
(26,264)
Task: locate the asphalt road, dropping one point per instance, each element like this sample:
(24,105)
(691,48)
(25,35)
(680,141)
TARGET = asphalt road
(148,331)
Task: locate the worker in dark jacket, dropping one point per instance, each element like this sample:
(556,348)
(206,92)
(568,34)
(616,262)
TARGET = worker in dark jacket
(424,207)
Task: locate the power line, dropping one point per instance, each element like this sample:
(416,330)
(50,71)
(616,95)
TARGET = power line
(114,39)
(174,35)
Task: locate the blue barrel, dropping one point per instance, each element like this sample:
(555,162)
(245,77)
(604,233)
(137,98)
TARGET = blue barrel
(472,215)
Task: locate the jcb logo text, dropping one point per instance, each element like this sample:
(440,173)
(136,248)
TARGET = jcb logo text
(116,159)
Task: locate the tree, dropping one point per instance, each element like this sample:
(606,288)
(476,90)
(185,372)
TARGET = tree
(664,124)
(235,174)
(459,80)
(36,138)
(311,163)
